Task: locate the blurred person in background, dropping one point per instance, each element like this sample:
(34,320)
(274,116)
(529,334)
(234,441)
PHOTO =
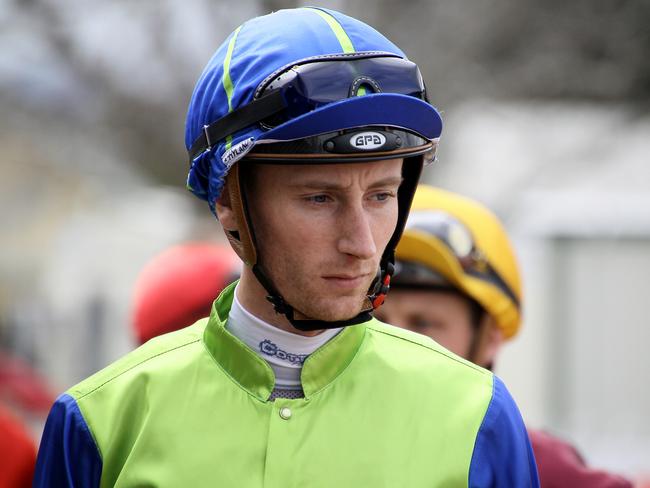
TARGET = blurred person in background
(25,399)
(291,382)
(457,281)
(177,287)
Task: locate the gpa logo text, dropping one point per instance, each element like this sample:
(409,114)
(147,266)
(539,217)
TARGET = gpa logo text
(366,141)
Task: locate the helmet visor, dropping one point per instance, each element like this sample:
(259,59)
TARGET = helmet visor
(319,83)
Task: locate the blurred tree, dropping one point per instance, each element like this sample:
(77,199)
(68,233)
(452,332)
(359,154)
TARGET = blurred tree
(129,67)
(273,5)
(584,49)
(121,72)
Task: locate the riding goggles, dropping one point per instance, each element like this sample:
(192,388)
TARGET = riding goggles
(312,83)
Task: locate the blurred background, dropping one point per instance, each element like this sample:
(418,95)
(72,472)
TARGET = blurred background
(546,112)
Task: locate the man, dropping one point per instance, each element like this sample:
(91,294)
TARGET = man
(307,132)
(458,282)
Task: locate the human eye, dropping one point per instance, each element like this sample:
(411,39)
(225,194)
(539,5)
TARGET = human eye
(382,196)
(318,199)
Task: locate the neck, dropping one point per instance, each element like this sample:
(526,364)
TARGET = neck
(252,296)
(283,351)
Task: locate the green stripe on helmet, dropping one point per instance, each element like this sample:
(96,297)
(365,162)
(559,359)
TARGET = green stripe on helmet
(339,32)
(227,82)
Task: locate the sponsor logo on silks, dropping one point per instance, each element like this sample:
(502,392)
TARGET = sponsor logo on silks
(271,349)
(238,151)
(367,141)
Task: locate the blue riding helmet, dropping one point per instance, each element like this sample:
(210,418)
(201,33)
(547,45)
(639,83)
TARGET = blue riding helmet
(307,86)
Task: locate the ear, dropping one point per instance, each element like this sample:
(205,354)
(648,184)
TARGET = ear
(225,212)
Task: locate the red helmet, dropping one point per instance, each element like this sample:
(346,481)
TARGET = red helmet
(177,287)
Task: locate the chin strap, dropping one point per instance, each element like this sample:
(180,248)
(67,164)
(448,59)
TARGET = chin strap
(372,301)
(382,285)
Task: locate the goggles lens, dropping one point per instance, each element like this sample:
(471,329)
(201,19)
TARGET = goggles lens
(313,84)
(460,242)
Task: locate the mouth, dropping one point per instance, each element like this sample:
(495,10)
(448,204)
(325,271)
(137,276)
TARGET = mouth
(347,281)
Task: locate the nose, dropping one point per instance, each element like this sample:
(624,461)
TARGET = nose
(356,237)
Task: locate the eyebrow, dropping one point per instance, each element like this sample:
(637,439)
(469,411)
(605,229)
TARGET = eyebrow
(329,186)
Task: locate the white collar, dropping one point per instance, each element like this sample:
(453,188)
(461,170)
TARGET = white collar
(284,351)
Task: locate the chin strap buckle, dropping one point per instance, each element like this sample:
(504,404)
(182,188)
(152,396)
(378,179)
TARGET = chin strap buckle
(379,296)
(382,286)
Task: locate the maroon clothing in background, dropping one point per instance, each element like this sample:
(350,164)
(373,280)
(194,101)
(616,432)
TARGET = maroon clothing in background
(17,453)
(560,466)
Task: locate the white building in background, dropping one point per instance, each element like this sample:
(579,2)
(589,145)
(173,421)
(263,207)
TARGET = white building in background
(79,224)
(572,185)
(87,282)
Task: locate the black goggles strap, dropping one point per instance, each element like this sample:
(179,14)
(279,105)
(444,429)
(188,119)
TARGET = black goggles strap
(417,276)
(237,120)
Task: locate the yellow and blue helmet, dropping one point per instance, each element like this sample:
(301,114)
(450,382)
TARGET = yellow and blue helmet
(451,241)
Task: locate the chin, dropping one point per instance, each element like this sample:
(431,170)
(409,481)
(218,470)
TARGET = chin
(341,309)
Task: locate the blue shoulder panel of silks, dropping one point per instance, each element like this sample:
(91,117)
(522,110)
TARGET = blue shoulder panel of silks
(503,456)
(67,456)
